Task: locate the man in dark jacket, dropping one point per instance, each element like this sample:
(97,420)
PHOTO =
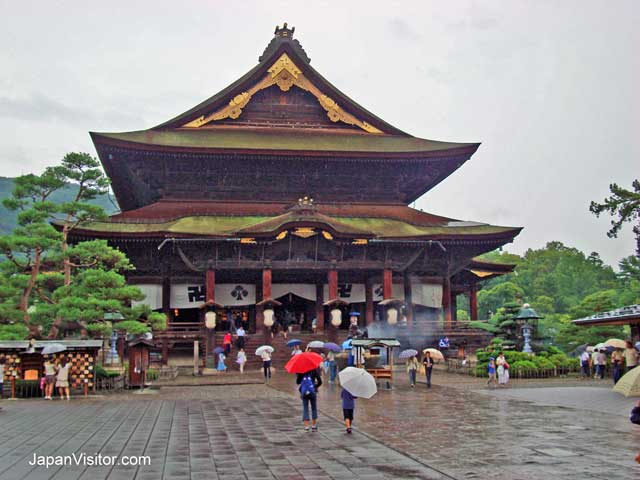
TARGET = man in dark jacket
(309,384)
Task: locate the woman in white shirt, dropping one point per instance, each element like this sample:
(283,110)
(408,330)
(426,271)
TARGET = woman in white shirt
(62,378)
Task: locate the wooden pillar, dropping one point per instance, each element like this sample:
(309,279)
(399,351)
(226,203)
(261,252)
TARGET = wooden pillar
(473,302)
(165,351)
(210,281)
(387,283)
(266,283)
(320,307)
(166,298)
(368,301)
(333,284)
(446,301)
(408,300)
(454,306)
(210,298)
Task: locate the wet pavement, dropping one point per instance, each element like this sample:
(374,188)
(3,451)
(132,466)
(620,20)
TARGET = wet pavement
(457,429)
(514,433)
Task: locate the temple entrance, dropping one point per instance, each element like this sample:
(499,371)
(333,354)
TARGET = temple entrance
(232,318)
(295,313)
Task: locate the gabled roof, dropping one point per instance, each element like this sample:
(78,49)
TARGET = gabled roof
(621,316)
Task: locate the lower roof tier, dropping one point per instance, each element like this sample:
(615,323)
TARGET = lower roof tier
(268,220)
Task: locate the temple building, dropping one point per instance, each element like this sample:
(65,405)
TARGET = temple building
(281,196)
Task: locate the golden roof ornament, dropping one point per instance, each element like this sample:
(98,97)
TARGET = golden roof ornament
(284,31)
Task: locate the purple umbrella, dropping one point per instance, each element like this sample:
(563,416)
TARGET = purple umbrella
(333,347)
(410,352)
(218,350)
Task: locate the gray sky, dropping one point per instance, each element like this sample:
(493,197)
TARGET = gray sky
(549,87)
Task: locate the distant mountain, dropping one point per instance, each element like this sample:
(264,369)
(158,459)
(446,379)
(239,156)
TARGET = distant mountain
(8,218)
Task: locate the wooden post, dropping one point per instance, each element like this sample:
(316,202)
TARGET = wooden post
(165,351)
(320,307)
(454,306)
(196,357)
(166,298)
(446,301)
(210,298)
(387,283)
(333,284)
(13,386)
(210,287)
(266,283)
(368,301)
(408,300)
(473,302)
(86,389)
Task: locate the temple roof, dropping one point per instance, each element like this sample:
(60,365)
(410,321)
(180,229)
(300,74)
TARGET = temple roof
(282,141)
(620,316)
(217,219)
(280,110)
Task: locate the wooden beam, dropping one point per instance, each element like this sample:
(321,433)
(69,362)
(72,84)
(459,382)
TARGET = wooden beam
(368,301)
(446,301)
(210,281)
(387,283)
(473,302)
(408,296)
(320,307)
(333,284)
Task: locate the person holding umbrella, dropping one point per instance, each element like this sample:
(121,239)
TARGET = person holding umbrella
(264,352)
(412,368)
(50,377)
(427,361)
(305,366)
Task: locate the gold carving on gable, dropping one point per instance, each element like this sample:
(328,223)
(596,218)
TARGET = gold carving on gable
(284,73)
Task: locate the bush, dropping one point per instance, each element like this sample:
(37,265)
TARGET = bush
(102,373)
(153,374)
(522,366)
(543,363)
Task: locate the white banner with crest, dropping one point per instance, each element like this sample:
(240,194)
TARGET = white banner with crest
(153,294)
(227,294)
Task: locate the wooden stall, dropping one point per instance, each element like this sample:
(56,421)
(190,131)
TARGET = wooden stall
(362,349)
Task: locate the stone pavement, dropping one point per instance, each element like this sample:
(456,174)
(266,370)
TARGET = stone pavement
(481,434)
(226,432)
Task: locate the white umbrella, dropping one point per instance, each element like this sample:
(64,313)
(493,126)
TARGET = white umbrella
(358,382)
(264,348)
(53,348)
(315,344)
(435,354)
(616,343)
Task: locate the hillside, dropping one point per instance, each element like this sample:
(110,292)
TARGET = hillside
(8,218)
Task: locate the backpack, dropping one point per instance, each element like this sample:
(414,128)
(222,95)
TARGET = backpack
(307,387)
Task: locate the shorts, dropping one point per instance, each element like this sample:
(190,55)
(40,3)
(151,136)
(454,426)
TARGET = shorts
(50,379)
(347,413)
(62,383)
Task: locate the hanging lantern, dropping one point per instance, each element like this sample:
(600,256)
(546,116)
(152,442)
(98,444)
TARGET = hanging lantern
(268,317)
(392,316)
(336,317)
(210,319)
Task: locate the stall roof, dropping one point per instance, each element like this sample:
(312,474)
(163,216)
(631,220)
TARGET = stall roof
(375,342)
(24,344)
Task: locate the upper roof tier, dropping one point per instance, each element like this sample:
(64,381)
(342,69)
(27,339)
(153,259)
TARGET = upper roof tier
(279,132)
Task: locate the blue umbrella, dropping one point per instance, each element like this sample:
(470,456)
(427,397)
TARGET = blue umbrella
(410,352)
(346,345)
(638,345)
(218,350)
(333,347)
(293,342)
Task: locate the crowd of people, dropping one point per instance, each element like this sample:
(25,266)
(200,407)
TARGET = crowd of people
(621,360)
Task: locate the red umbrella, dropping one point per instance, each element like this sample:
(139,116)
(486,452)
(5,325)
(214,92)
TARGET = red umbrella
(303,362)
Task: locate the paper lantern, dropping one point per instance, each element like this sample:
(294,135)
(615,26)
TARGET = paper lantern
(210,319)
(392,316)
(268,317)
(336,317)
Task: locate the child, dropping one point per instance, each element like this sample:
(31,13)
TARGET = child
(348,406)
(222,367)
(241,359)
(491,369)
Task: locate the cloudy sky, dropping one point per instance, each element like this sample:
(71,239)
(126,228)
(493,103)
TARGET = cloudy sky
(550,88)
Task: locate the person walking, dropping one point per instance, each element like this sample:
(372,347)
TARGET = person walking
(503,370)
(585,360)
(222,367)
(49,378)
(241,334)
(333,367)
(266,364)
(296,350)
(309,383)
(348,407)
(1,376)
(630,356)
(62,378)
(427,361)
(226,343)
(241,359)
(617,362)
(491,370)
(412,368)
(601,361)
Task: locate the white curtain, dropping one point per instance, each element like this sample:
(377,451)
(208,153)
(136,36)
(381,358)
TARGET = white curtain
(227,294)
(153,295)
(304,290)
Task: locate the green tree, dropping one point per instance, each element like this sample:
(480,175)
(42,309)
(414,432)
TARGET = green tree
(491,299)
(624,206)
